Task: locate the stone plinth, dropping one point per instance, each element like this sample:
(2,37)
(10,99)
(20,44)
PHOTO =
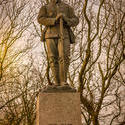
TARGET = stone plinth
(60,108)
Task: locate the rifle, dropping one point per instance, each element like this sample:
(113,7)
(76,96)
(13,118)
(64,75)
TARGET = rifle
(62,48)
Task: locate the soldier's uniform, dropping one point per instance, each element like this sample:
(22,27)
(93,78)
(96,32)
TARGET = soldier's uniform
(59,62)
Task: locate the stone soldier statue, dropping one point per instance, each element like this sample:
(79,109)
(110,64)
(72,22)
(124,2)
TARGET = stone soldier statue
(58,17)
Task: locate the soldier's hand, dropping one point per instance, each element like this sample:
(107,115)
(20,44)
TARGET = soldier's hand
(60,15)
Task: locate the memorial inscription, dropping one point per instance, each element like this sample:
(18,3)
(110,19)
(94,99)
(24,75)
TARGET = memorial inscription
(59,108)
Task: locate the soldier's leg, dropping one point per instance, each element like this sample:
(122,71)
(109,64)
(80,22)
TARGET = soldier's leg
(64,59)
(52,47)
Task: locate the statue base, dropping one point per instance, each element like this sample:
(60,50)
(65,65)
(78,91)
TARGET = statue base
(55,89)
(58,105)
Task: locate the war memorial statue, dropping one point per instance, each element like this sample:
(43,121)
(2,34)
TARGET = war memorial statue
(58,18)
(58,104)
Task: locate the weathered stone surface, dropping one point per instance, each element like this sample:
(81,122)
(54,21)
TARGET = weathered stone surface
(54,89)
(58,109)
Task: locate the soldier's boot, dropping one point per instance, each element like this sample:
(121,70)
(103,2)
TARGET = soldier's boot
(55,70)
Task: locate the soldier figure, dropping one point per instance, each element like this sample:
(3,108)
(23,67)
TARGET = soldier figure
(58,17)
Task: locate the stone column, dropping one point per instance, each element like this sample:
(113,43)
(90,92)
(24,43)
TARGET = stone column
(58,108)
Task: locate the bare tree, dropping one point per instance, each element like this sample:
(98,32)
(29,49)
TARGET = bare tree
(102,54)
(12,26)
(96,69)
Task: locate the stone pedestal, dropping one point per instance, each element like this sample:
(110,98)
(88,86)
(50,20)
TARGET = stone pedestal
(60,108)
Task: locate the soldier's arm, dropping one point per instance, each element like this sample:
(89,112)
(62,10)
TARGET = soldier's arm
(43,19)
(72,20)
